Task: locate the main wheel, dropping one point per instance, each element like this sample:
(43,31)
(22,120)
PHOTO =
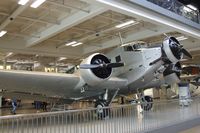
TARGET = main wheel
(101,111)
(147,103)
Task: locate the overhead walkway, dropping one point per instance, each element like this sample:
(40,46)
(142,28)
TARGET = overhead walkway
(173,6)
(166,116)
(172,14)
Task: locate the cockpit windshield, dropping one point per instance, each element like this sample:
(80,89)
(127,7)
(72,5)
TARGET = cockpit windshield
(133,47)
(128,48)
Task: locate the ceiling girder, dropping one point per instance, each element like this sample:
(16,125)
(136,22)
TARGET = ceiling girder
(12,16)
(67,6)
(66,23)
(31,19)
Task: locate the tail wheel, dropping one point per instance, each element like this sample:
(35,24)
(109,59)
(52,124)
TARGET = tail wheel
(147,103)
(101,111)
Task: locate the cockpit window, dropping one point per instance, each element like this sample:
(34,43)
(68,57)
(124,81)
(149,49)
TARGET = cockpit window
(128,48)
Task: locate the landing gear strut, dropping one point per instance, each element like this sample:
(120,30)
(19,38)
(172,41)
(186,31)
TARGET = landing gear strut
(103,102)
(146,101)
(102,112)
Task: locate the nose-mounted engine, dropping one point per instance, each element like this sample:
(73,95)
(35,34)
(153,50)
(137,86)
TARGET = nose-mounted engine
(172,53)
(171,49)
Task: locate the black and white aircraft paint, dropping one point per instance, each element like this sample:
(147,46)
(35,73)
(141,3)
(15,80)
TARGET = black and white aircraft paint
(125,69)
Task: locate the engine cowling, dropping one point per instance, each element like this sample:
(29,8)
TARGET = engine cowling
(171,50)
(172,73)
(94,76)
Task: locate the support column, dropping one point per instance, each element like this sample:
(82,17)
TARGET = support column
(0,101)
(4,63)
(163,93)
(184,94)
(156,93)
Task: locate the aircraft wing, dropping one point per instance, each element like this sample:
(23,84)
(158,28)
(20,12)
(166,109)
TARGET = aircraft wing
(195,83)
(50,84)
(114,83)
(188,77)
(53,84)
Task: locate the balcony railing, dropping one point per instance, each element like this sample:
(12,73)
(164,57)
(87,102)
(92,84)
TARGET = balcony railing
(118,119)
(178,8)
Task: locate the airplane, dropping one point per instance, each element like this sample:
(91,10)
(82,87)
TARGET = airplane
(126,69)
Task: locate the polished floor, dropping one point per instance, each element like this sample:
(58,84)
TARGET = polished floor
(20,110)
(192,130)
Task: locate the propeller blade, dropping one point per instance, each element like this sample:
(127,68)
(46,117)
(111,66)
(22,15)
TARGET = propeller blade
(89,66)
(155,61)
(114,65)
(109,65)
(185,52)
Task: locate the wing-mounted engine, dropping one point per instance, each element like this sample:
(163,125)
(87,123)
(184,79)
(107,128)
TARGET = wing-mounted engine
(97,68)
(172,73)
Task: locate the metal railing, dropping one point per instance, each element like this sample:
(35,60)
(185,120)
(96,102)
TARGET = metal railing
(119,119)
(178,8)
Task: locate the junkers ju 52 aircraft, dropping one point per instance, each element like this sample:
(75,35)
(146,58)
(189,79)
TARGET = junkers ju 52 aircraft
(125,69)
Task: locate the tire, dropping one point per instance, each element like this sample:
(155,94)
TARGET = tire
(100,110)
(147,103)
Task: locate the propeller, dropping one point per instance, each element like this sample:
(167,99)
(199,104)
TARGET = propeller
(102,65)
(99,65)
(186,53)
(88,66)
(115,65)
(177,48)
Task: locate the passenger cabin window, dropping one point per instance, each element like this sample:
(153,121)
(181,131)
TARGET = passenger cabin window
(128,48)
(118,58)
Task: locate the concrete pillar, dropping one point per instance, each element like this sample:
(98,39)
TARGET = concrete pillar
(184,94)
(163,93)
(156,93)
(0,101)
(4,63)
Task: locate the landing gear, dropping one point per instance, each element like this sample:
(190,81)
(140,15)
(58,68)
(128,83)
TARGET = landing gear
(103,102)
(147,103)
(101,111)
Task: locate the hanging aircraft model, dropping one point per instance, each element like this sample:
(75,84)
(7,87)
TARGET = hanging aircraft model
(126,69)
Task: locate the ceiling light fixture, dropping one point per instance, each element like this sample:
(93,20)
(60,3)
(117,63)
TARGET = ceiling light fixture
(192,7)
(37,3)
(126,24)
(9,54)
(181,38)
(187,9)
(23,2)
(71,43)
(77,44)
(2,33)
(62,58)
